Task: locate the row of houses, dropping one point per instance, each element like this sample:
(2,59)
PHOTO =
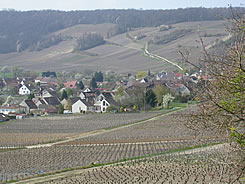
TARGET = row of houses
(47,101)
(86,102)
(25,85)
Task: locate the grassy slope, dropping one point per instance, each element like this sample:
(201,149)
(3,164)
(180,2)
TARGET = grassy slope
(124,57)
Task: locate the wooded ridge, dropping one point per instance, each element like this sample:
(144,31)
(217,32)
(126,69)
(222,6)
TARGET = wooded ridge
(32,30)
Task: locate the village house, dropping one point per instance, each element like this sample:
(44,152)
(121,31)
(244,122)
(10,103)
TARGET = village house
(49,93)
(87,90)
(26,89)
(77,105)
(53,101)
(89,95)
(71,84)
(103,101)
(48,109)
(183,90)
(180,89)
(10,83)
(162,76)
(67,103)
(144,80)
(82,106)
(46,81)
(38,101)
(82,95)
(29,105)
(7,109)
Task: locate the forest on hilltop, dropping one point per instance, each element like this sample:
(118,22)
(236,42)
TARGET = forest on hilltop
(32,30)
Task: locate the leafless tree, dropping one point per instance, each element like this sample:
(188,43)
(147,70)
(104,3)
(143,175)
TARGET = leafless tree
(222,107)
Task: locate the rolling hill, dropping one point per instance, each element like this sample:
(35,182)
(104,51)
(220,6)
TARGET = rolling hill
(121,53)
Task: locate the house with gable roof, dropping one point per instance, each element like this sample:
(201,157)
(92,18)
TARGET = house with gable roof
(29,105)
(26,89)
(77,105)
(103,101)
(71,84)
(53,101)
(82,105)
(7,109)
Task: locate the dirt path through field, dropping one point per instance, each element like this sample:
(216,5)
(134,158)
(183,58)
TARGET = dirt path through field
(154,56)
(215,43)
(101,131)
(54,176)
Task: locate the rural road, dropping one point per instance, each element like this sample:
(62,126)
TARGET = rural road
(154,56)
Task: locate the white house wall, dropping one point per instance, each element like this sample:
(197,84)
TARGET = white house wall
(104,105)
(7,111)
(78,107)
(24,90)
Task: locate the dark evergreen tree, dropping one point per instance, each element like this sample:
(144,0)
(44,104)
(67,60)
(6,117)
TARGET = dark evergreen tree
(64,95)
(150,98)
(149,73)
(99,76)
(93,83)
(80,85)
(61,109)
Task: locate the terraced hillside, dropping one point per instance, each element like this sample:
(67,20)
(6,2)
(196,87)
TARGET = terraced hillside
(121,53)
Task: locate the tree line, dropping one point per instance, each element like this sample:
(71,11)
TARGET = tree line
(28,30)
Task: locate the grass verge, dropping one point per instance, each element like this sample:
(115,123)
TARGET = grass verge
(10,149)
(165,111)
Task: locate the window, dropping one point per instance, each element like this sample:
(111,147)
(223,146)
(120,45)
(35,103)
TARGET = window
(103,103)
(103,109)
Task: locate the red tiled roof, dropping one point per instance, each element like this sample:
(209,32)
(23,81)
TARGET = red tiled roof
(70,84)
(178,75)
